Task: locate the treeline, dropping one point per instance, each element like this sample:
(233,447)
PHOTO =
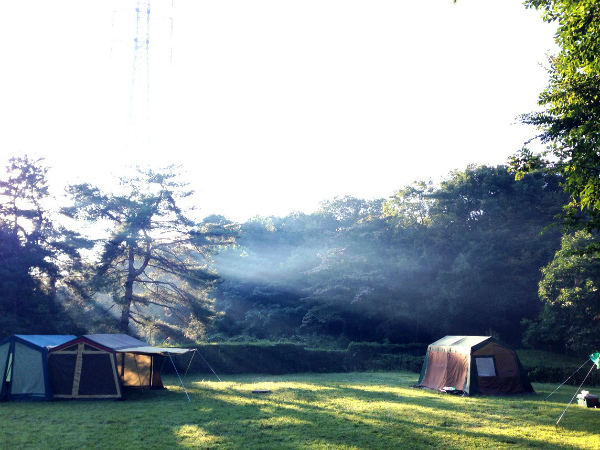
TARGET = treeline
(462,257)
(215,360)
(471,255)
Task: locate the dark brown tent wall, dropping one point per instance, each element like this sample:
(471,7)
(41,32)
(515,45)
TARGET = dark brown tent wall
(81,369)
(499,371)
(474,365)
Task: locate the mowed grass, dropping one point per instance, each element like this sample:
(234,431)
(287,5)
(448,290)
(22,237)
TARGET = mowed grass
(330,411)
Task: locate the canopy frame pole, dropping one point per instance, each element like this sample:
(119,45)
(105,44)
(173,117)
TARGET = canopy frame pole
(180,380)
(189,364)
(561,416)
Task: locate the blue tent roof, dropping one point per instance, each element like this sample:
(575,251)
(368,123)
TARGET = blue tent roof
(40,340)
(45,340)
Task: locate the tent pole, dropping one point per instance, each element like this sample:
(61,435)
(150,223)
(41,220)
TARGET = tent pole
(565,381)
(189,364)
(180,380)
(561,416)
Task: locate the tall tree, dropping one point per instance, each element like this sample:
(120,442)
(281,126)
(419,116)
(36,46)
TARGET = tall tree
(35,252)
(570,123)
(569,290)
(488,238)
(155,263)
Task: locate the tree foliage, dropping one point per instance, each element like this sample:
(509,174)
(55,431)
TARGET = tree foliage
(570,121)
(36,255)
(570,292)
(155,263)
(462,257)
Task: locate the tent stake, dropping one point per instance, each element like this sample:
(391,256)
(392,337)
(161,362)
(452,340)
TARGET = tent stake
(180,380)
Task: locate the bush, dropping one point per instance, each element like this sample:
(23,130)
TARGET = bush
(548,367)
(279,359)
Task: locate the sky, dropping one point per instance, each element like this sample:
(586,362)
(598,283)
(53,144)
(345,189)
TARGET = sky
(269,106)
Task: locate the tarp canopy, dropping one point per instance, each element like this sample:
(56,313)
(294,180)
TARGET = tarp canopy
(126,344)
(99,365)
(24,366)
(42,367)
(473,365)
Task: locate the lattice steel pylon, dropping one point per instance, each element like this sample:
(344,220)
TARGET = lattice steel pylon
(139,102)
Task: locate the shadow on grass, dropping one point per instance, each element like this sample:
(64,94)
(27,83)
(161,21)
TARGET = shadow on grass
(352,411)
(337,414)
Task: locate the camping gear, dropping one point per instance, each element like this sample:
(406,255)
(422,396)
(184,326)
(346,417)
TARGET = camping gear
(588,400)
(97,366)
(595,358)
(24,366)
(473,365)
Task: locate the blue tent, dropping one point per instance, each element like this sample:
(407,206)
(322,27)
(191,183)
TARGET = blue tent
(24,366)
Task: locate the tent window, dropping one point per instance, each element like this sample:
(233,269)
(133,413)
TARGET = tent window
(89,348)
(485,366)
(72,348)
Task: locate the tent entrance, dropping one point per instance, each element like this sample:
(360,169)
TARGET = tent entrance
(140,371)
(84,371)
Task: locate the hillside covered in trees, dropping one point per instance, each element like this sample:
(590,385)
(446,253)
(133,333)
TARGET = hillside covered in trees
(461,257)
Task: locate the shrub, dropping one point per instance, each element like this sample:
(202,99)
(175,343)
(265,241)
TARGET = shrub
(279,359)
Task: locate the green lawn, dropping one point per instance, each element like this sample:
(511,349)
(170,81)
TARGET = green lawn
(333,411)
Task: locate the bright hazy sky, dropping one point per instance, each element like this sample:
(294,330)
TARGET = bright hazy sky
(271,105)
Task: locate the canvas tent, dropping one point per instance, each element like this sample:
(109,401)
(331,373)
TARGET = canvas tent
(24,366)
(97,366)
(473,365)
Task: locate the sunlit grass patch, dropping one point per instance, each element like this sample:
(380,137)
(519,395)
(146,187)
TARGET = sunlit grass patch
(194,435)
(329,411)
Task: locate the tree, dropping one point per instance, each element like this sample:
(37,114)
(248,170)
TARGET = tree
(570,291)
(35,253)
(570,123)
(155,263)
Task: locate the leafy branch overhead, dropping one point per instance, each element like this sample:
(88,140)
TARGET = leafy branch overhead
(569,124)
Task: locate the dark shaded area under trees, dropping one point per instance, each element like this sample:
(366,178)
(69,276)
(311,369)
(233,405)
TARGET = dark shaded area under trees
(460,258)
(463,257)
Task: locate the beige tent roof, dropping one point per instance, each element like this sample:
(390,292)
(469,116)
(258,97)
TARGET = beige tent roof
(127,344)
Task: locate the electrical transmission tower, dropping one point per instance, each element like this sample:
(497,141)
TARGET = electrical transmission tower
(132,23)
(139,103)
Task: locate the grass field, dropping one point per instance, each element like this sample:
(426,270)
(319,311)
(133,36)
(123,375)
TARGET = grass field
(332,411)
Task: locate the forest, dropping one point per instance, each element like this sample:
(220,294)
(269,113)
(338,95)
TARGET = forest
(510,251)
(477,254)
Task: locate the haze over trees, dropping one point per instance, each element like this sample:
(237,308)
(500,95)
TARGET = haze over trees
(474,254)
(156,256)
(36,255)
(460,258)
(463,257)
